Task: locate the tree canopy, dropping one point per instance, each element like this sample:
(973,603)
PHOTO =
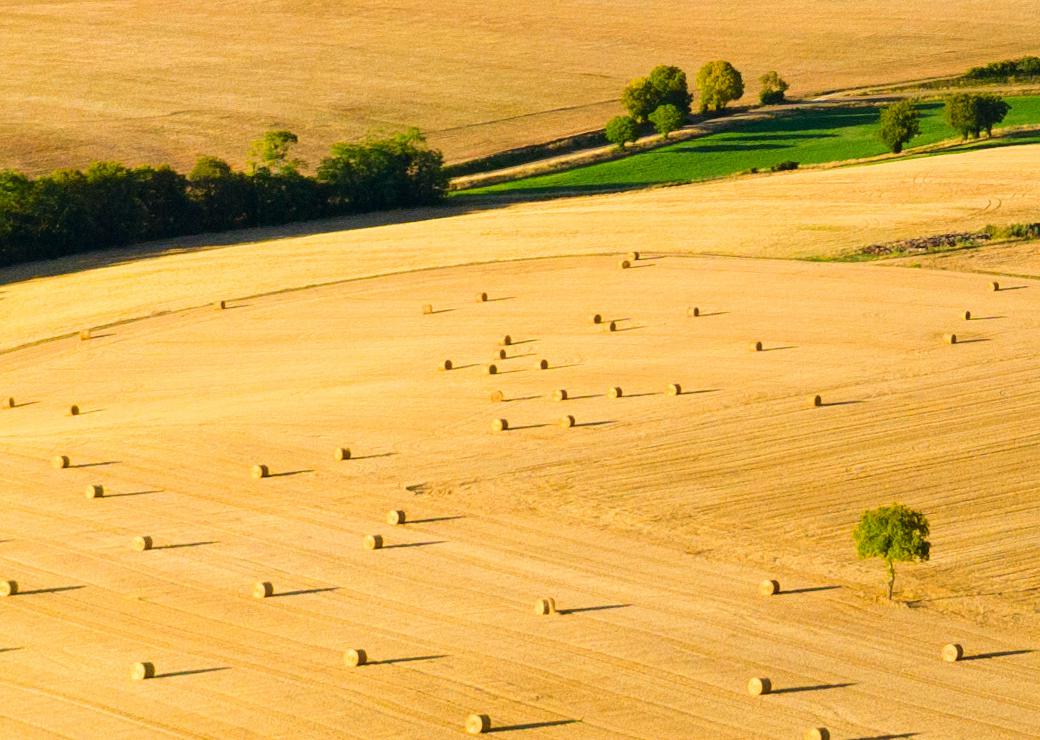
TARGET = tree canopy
(900,122)
(773,90)
(666,119)
(719,83)
(665,85)
(892,533)
(622,130)
(970,115)
(271,152)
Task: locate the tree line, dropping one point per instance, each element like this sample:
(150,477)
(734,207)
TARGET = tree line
(663,99)
(966,113)
(109,205)
(1008,70)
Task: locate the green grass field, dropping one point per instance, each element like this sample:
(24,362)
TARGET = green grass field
(812,137)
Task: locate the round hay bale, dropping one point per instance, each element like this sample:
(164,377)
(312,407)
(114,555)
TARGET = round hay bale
(499,425)
(950,338)
(757,347)
(995,285)
(507,340)
(543,364)
(633,256)
(427,309)
(817,733)
(674,389)
(84,335)
(597,318)
(373,541)
(95,491)
(355,657)
(967,315)
(222,305)
(141,671)
(395,517)
(498,396)
(9,403)
(482,297)
(502,354)
(952,652)
(60,461)
(262,589)
(545,606)
(447,365)
(260,471)
(141,543)
(559,395)
(693,311)
(625,264)
(816,400)
(478,724)
(567,422)
(612,326)
(615,392)
(342,453)
(73,410)
(492,369)
(769,587)
(759,686)
(8,588)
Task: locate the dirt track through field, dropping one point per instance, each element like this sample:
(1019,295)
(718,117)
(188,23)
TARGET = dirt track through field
(651,522)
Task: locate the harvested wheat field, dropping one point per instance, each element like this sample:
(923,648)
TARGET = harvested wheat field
(164,81)
(1017,259)
(811,213)
(651,522)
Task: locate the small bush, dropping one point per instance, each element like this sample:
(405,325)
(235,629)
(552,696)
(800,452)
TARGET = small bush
(784,166)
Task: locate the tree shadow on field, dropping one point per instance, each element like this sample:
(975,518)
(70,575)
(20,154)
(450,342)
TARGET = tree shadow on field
(243,238)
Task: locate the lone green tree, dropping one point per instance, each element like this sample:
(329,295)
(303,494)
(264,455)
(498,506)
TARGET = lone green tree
(621,130)
(970,115)
(893,533)
(271,152)
(900,122)
(665,85)
(773,88)
(719,83)
(666,119)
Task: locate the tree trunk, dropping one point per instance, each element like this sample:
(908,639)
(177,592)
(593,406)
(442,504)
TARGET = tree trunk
(891,578)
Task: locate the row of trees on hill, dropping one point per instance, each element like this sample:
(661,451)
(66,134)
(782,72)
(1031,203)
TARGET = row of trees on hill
(109,204)
(663,98)
(968,114)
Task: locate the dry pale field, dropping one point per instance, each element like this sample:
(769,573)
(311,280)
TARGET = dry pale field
(650,522)
(166,80)
(821,212)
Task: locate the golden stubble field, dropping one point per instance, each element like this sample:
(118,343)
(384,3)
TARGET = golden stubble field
(650,522)
(801,214)
(166,80)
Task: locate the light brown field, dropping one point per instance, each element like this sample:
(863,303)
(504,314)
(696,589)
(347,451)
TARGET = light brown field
(997,259)
(800,214)
(653,519)
(167,80)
